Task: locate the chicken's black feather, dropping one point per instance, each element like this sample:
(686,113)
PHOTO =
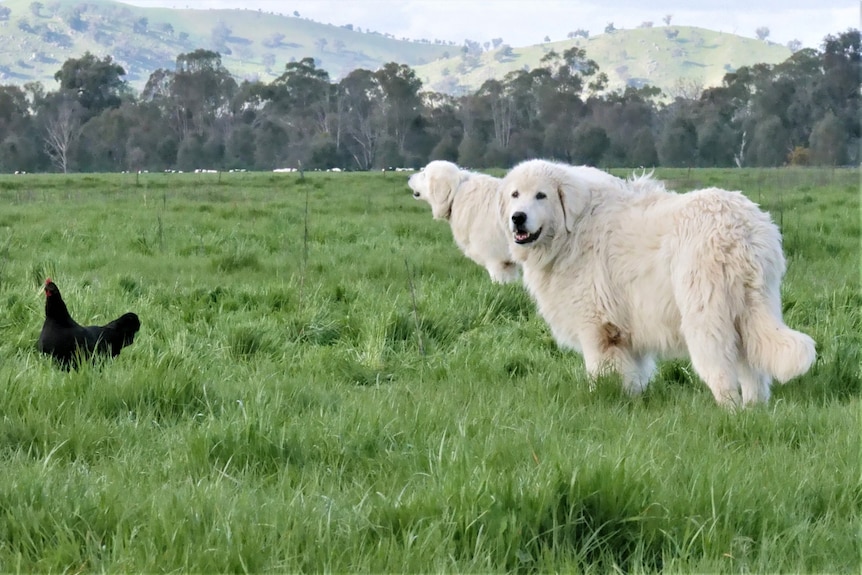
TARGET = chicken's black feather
(67,342)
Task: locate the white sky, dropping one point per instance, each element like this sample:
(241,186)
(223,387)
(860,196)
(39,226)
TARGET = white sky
(524,22)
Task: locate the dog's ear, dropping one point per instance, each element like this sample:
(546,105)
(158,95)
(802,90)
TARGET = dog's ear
(574,199)
(568,219)
(441,191)
(503,206)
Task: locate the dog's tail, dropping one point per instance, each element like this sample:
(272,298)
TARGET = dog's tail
(773,347)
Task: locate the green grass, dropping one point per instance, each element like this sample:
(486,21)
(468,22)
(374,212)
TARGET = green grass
(286,408)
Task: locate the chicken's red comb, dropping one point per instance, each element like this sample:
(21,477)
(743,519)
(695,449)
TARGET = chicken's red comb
(47,281)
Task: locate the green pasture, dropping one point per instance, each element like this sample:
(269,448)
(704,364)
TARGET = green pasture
(322,382)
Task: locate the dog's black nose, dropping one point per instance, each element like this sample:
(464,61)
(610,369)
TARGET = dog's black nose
(518,218)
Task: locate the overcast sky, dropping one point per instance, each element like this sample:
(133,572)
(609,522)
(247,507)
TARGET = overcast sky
(524,22)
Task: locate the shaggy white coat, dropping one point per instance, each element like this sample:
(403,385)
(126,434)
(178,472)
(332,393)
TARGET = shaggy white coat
(628,272)
(472,205)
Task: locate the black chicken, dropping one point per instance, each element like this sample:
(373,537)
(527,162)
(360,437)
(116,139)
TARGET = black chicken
(67,342)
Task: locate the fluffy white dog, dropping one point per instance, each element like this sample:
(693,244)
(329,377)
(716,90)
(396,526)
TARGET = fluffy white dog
(626,272)
(472,205)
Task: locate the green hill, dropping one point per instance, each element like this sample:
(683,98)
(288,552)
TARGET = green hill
(672,58)
(37,37)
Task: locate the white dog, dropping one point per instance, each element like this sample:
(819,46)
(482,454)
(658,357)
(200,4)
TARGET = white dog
(472,205)
(628,272)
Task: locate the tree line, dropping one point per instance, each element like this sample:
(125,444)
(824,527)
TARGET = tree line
(805,110)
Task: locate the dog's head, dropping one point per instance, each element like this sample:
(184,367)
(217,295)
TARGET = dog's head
(437,184)
(544,202)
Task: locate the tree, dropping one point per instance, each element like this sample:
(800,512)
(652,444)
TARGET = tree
(300,97)
(141,25)
(715,142)
(240,148)
(360,98)
(274,40)
(36,9)
(19,144)
(71,15)
(401,102)
(220,34)
(196,94)
(591,142)
(666,19)
(499,102)
(5,11)
(838,87)
(678,145)
(270,145)
(62,129)
(504,53)
(103,141)
(642,152)
(794,45)
(769,143)
(762,33)
(828,142)
(96,82)
(609,28)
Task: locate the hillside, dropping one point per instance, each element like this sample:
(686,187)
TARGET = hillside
(37,37)
(253,44)
(667,57)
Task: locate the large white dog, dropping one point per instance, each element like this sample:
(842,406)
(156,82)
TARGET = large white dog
(627,272)
(472,205)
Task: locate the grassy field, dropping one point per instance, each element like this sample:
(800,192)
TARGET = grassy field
(323,383)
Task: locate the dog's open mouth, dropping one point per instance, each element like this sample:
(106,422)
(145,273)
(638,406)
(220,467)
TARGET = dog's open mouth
(524,237)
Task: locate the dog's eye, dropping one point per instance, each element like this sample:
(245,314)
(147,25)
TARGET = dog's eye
(515,194)
(541,196)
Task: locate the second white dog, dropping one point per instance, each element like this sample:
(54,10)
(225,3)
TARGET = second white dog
(472,205)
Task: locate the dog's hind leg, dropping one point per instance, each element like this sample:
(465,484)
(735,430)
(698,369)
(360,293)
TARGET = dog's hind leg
(714,362)
(713,344)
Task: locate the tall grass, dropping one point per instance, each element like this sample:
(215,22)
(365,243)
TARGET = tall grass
(378,405)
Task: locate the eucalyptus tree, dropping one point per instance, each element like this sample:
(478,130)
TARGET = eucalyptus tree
(20,148)
(97,83)
(362,115)
(301,101)
(401,104)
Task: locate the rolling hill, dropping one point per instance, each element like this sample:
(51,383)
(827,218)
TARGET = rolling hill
(671,58)
(253,44)
(37,37)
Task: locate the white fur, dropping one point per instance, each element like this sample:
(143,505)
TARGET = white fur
(472,204)
(627,272)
